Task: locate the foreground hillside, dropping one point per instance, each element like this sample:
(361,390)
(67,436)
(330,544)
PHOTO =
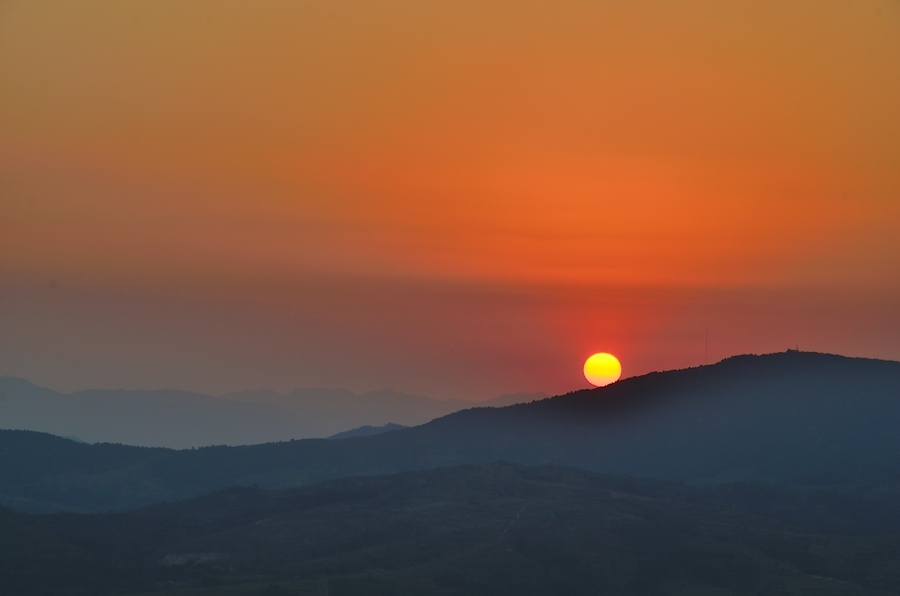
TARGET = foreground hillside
(793,418)
(490,529)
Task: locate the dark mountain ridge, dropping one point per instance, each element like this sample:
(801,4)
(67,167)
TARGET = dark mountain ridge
(791,418)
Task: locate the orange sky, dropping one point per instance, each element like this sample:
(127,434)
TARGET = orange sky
(456,198)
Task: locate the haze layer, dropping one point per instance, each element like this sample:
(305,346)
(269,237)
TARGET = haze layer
(459,199)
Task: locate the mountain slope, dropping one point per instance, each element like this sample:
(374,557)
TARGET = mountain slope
(795,418)
(367,431)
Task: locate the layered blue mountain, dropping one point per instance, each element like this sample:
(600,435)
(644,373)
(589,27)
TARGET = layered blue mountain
(184,419)
(789,418)
(367,431)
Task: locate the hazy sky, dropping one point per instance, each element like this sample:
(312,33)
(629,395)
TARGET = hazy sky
(457,199)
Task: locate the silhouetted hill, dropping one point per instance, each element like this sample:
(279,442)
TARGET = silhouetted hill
(184,419)
(795,418)
(491,529)
(367,431)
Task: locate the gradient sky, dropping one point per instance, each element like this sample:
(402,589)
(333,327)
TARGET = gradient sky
(457,199)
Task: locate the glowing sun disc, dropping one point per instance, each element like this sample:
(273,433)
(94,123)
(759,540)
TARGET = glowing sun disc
(602,369)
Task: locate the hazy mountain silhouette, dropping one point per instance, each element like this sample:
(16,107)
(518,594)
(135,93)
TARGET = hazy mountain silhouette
(367,431)
(796,418)
(183,419)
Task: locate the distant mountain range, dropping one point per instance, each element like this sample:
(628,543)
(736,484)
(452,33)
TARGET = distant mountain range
(183,419)
(790,418)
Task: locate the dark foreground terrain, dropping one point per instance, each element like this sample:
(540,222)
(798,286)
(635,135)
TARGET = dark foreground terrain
(489,529)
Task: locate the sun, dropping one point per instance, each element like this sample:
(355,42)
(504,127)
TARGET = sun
(602,369)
